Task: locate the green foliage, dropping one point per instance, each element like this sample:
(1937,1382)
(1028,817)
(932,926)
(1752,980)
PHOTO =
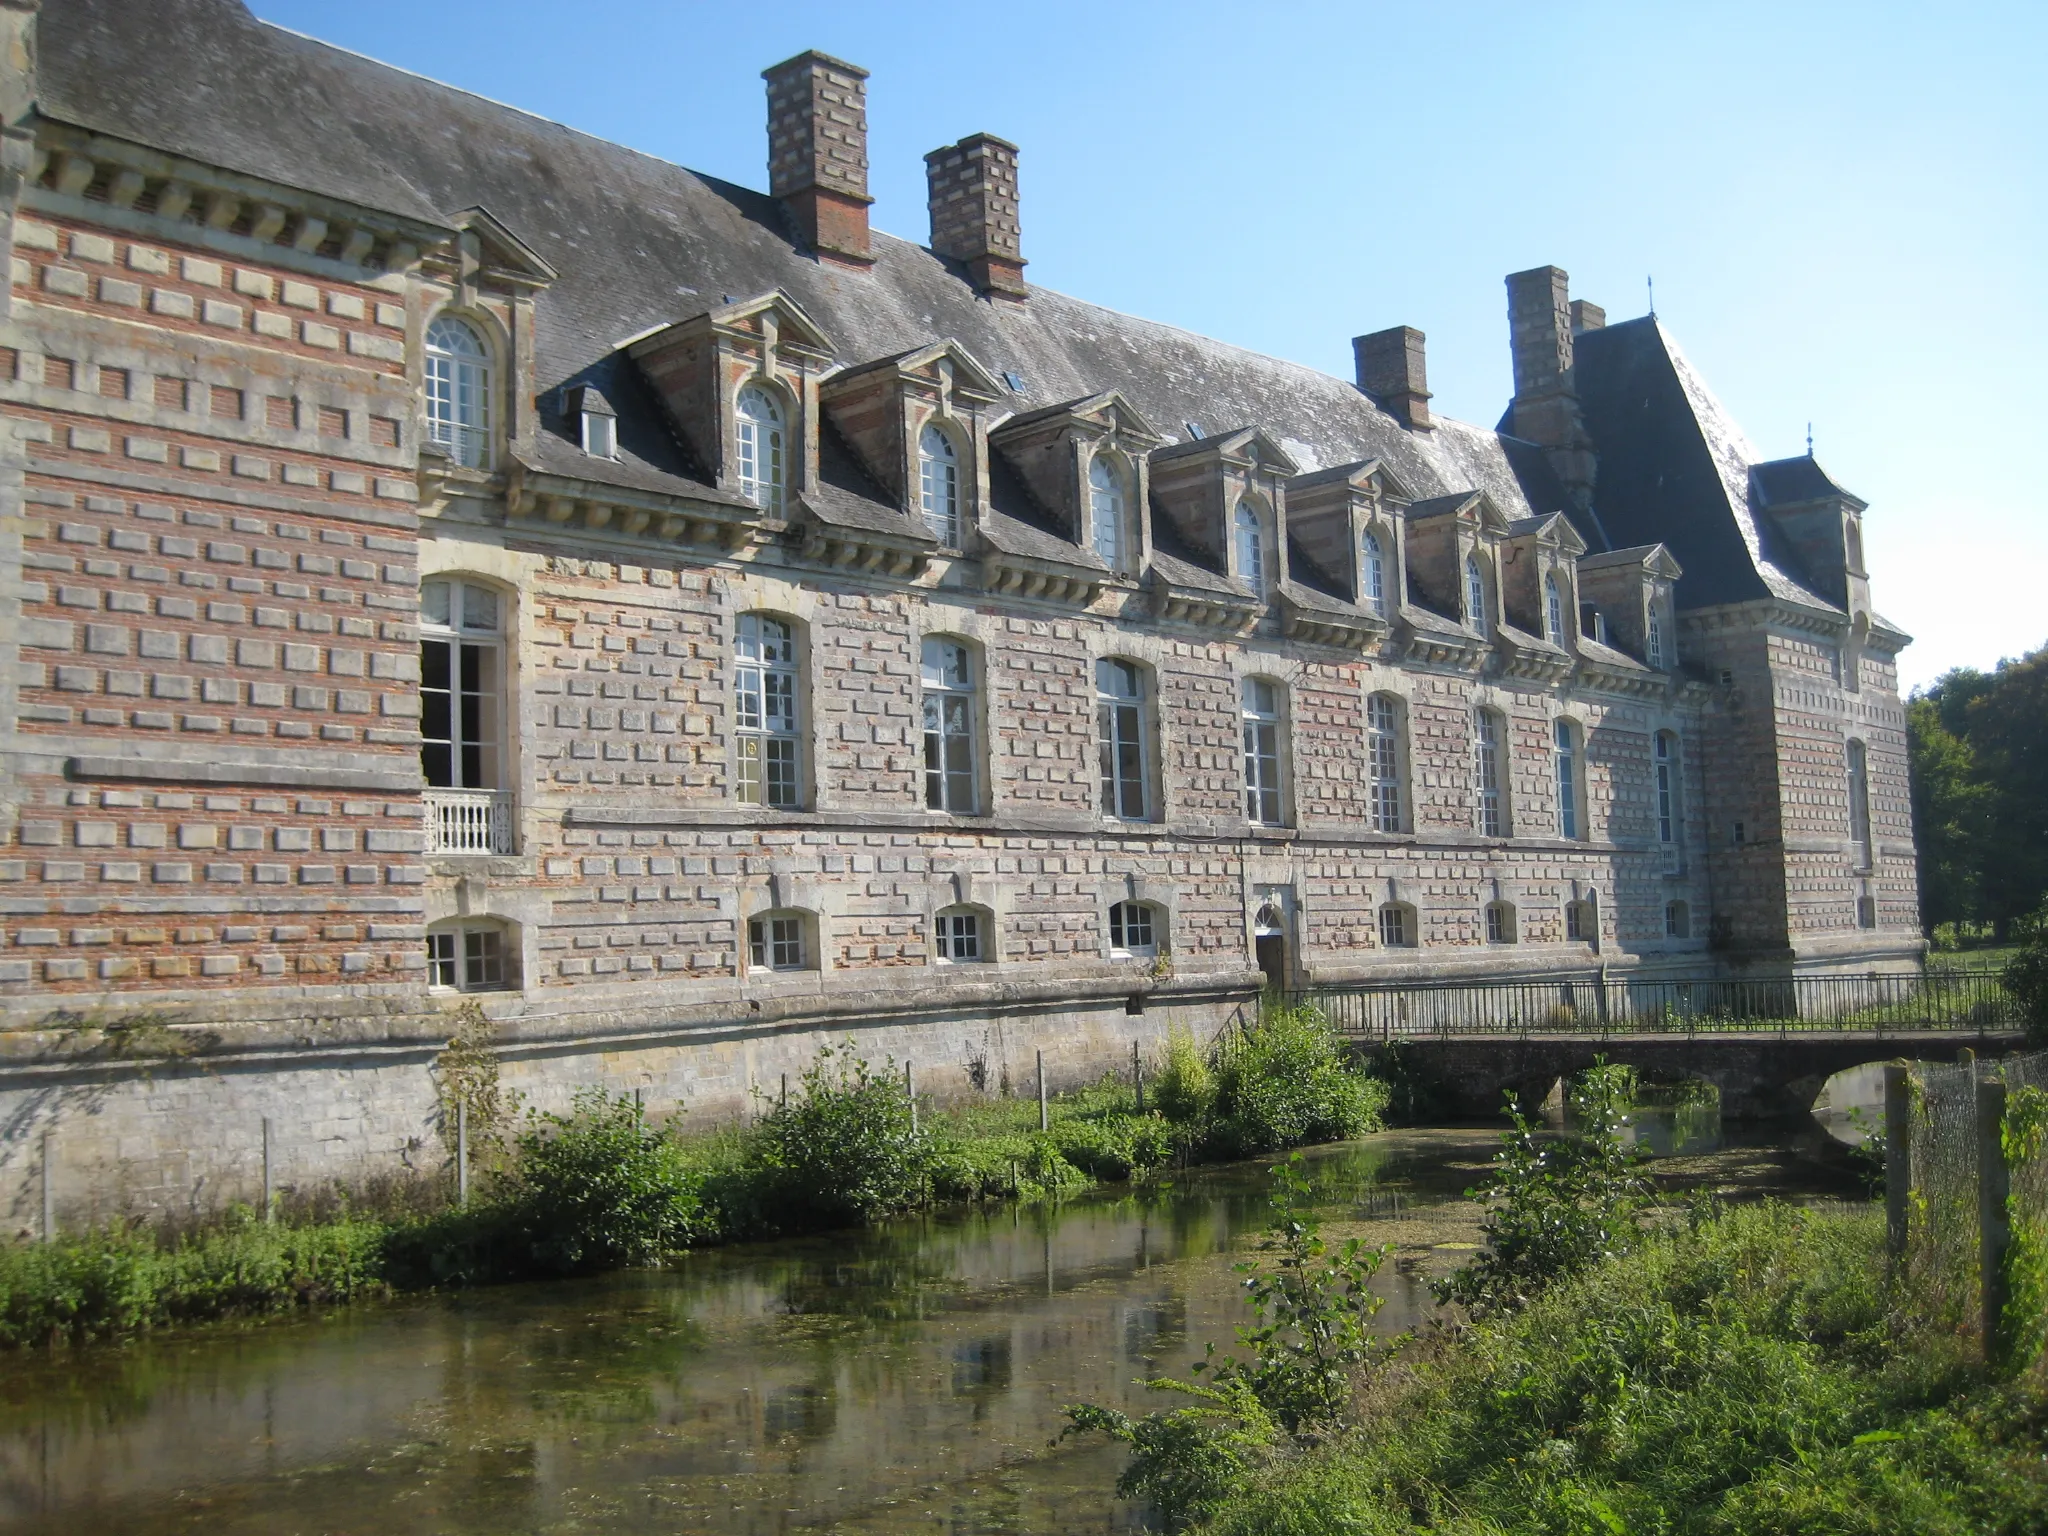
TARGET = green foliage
(1185,1088)
(844,1149)
(1113,1147)
(599,1188)
(2024,1139)
(1288,1082)
(2025,977)
(1185,1462)
(1611,1086)
(1556,1205)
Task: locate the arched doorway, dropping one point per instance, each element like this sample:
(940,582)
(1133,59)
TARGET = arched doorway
(1269,941)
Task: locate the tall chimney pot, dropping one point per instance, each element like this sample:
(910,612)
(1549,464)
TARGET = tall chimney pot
(818,153)
(1546,409)
(1393,375)
(973,199)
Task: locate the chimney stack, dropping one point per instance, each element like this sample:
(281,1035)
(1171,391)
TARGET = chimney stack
(973,199)
(1391,373)
(1587,317)
(1546,410)
(818,153)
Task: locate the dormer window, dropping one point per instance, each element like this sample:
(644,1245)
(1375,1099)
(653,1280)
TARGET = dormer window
(763,455)
(1592,623)
(1372,574)
(1475,593)
(1653,637)
(1553,610)
(1251,551)
(938,483)
(459,391)
(597,425)
(1106,512)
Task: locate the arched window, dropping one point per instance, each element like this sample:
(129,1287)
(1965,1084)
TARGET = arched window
(1106,511)
(938,486)
(1670,814)
(1121,739)
(1571,821)
(961,936)
(1261,710)
(1489,773)
(781,941)
(1553,610)
(1383,761)
(765,713)
(462,718)
(1500,923)
(1251,548)
(1653,635)
(471,956)
(763,450)
(950,727)
(1372,574)
(1475,593)
(1677,920)
(1859,804)
(1398,927)
(1134,929)
(459,391)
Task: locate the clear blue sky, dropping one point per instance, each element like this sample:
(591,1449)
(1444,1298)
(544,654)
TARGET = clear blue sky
(1842,205)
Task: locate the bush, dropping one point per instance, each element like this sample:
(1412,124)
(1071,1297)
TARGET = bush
(1113,1146)
(1288,1083)
(1185,1088)
(2026,977)
(843,1150)
(599,1188)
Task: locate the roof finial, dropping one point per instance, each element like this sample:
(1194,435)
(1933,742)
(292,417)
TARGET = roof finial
(1650,282)
(1809,439)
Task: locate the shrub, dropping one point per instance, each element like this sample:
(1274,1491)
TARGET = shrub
(1113,1146)
(1288,1082)
(599,1188)
(2026,977)
(843,1150)
(1185,1088)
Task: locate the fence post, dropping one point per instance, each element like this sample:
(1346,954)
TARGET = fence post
(1898,1158)
(269,1185)
(49,1195)
(1044,1123)
(462,1154)
(1992,1188)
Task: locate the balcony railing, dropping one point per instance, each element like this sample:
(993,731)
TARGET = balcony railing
(469,821)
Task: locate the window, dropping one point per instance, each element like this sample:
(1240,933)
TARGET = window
(950,727)
(1489,778)
(959,936)
(1132,930)
(459,685)
(1670,821)
(600,435)
(763,455)
(469,957)
(1738,834)
(1581,922)
(1106,512)
(776,941)
(1398,928)
(1553,610)
(1653,636)
(1120,738)
(1570,821)
(1859,804)
(1500,923)
(459,391)
(1677,920)
(1251,548)
(1372,574)
(1261,710)
(765,713)
(1475,593)
(1383,761)
(1866,911)
(938,482)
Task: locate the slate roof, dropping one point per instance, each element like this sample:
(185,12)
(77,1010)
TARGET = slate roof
(1785,481)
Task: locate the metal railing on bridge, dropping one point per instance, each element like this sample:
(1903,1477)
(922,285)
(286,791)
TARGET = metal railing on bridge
(1599,1003)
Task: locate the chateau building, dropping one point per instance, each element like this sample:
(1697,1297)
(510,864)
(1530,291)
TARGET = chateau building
(448,554)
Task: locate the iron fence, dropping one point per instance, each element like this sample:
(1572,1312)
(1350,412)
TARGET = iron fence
(1602,1004)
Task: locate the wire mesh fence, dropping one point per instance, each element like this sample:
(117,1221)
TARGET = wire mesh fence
(1599,1003)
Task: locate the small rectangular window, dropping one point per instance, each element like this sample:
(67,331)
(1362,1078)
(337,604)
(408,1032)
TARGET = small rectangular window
(776,942)
(1394,929)
(959,936)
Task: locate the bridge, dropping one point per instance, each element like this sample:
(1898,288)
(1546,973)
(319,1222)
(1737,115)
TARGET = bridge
(1768,1044)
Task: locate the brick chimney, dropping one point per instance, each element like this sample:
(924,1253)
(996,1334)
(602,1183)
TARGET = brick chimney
(973,198)
(1587,317)
(818,153)
(1546,408)
(1391,373)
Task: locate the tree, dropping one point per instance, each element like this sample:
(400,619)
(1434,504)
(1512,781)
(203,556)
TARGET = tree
(1951,808)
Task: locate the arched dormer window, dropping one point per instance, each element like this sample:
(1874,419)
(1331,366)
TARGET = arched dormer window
(459,391)
(1475,593)
(763,449)
(1106,512)
(1251,548)
(938,485)
(1372,574)
(1553,610)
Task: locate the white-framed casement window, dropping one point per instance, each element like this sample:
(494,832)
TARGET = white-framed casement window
(1500,923)
(951,727)
(471,956)
(1677,920)
(1263,709)
(1106,534)
(960,936)
(762,437)
(1553,609)
(1475,594)
(1571,770)
(597,422)
(1251,548)
(1383,756)
(938,485)
(1581,922)
(458,382)
(1123,740)
(780,941)
(1653,634)
(1859,804)
(462,745)
(1669,812)
(1398,927)
(765,713)
(1134,930)
(1489,773)
(1372,574)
